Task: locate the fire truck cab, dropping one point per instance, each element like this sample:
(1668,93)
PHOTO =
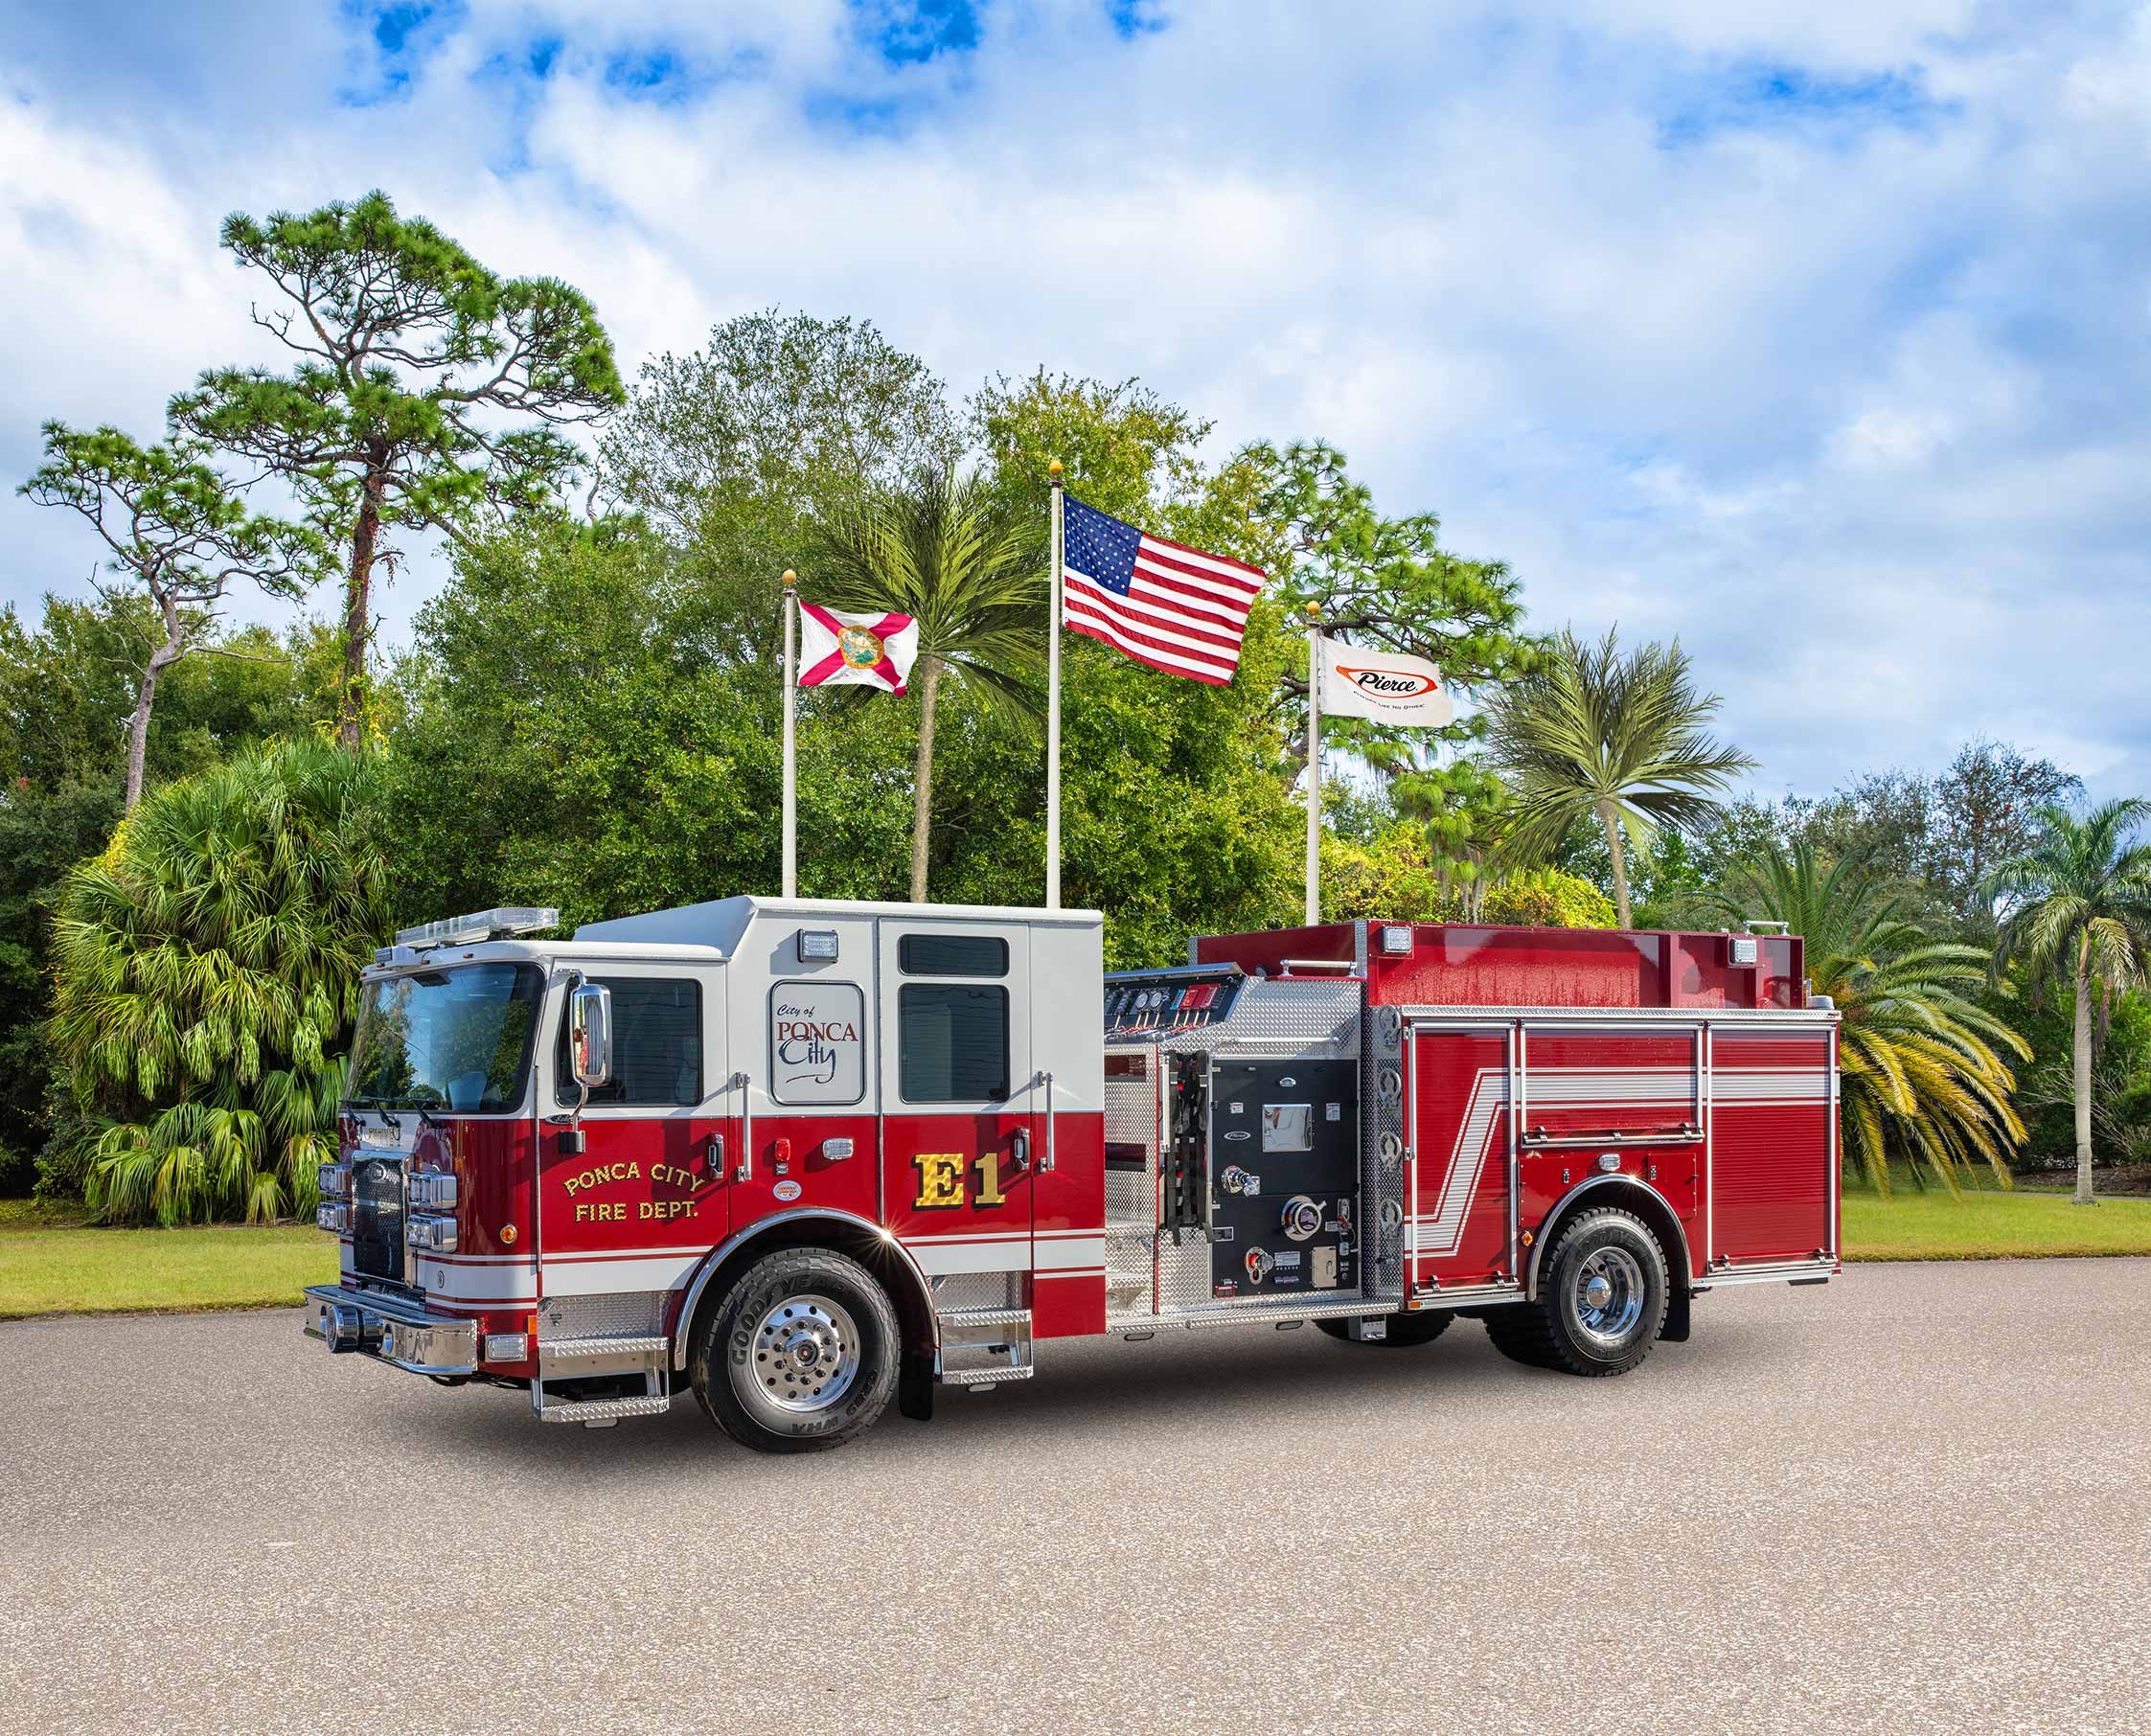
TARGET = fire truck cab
(807,1156)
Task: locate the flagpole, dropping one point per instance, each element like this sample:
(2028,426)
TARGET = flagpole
(1313,764)
(790,708)
(1053,707)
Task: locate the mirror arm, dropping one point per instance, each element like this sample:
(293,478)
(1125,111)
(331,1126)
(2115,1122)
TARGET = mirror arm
(572,1141)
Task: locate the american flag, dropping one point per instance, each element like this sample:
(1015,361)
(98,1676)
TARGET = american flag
(1164,603)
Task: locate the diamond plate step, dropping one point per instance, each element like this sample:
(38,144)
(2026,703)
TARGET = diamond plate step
(985,1316)
(985,1376)
(554,1349)
(606,1410)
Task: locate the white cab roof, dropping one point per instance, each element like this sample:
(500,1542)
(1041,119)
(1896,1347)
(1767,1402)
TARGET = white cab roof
(723,923)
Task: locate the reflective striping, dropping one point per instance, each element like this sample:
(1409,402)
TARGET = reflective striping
(974,1257)
(597,1278)
(1064,1251)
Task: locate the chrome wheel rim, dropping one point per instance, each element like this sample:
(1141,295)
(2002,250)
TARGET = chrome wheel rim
(1607,1294)
(803,1356)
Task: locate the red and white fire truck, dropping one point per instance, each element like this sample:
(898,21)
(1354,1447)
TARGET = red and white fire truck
(805,1157)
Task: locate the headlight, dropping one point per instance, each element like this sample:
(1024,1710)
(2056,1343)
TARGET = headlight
(332,1180)
(433,1193)
(334,1218)
(434,1235)
(507,1346)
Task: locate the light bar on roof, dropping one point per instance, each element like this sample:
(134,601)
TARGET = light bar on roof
(480,925)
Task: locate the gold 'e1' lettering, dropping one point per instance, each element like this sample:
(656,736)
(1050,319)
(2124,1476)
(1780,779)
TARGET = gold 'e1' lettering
(988,1164)
(941,1180)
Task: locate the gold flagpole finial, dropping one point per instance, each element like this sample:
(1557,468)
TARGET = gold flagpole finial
(1053,469)
(790,577)
(1313,612)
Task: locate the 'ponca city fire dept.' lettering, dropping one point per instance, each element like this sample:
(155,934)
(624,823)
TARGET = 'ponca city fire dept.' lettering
(615,1211)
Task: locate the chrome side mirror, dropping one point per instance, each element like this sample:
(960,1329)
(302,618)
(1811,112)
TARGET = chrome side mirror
(589,1035)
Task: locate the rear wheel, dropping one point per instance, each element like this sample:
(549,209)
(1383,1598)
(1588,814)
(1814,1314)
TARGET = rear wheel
(800,1354)
(1401,1332)
(1601,1300)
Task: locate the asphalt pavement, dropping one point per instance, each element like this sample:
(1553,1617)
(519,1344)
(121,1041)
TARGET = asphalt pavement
(1918,1499)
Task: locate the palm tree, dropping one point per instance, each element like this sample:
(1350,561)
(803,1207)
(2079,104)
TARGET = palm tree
(1919,1070)
(205,979)
(2079,908)
(1623,738)
(943,551)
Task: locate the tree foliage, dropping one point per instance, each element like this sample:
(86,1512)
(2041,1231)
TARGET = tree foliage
(1625,739)
(1922,1074)
(426,390)
(173,526)
(1394,876)
(2077,909)
(206,976)
(943,551)
(777,418)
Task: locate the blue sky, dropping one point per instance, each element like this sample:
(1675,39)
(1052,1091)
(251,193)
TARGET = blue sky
(1817,335)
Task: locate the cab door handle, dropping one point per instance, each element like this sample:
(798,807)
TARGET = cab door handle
(1021,1149)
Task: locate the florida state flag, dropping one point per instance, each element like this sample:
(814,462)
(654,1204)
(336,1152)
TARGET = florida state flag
(863,651)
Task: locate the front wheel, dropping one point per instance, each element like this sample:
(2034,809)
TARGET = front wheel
(800,1355)
(1600,1304)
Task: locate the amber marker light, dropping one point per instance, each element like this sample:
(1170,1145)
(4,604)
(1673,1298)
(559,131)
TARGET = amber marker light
(508,1235)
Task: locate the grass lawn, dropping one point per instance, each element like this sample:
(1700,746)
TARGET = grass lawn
(50,1268)
(1988,1224)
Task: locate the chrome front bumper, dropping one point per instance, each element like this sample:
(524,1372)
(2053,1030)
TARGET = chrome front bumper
(399,1333)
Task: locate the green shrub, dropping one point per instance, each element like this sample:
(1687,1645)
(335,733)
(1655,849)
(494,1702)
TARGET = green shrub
(206,976)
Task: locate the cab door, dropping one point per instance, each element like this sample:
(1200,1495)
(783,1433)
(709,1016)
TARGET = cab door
(646,1193)
(960,1098)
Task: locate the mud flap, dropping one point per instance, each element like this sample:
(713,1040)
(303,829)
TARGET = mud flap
(1678,1302)
(914,1388)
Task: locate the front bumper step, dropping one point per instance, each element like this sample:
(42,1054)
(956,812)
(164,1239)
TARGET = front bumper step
(401,1333)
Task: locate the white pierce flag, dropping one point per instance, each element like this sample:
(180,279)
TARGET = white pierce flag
(1382,686)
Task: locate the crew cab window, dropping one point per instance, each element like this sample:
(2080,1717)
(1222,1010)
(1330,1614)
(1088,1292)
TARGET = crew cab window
(952,955)
(656,1043)
(951,1042)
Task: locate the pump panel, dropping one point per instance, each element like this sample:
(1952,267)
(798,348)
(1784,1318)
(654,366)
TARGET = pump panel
(1284,1159)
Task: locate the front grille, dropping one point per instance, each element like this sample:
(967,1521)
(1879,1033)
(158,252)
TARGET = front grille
(376,1217)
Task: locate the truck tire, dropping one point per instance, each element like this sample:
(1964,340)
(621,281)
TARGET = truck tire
(1403,1333)
(1602,1299)
(800,1354)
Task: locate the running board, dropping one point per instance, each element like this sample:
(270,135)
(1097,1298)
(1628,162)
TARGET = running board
(993,1345)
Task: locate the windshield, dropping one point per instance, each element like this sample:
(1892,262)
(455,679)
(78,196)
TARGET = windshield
(457,1038)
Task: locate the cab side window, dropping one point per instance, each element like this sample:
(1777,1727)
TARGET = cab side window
(656,1044)
(951,1042)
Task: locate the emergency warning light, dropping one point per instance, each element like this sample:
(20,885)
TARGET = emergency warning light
(480,925)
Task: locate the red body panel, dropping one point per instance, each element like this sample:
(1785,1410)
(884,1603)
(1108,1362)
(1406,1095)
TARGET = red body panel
(1459,1211)
(1454,965)
(1770,1199)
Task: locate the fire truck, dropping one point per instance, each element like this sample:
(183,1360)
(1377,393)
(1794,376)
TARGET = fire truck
(807,1156)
